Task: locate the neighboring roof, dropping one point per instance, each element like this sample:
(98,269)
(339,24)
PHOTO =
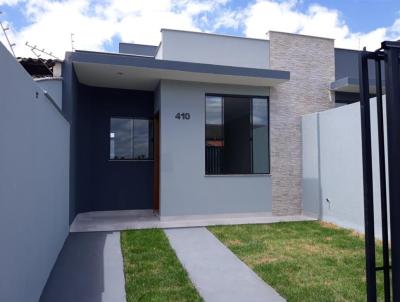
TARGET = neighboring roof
(95,68)
(348,84)
(38,67)
(137,49)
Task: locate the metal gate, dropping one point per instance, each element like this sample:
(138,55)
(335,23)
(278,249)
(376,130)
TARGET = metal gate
(387,57)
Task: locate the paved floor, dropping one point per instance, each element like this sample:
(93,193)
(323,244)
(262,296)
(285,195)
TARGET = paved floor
(88,269)
(215,271)
(145,219)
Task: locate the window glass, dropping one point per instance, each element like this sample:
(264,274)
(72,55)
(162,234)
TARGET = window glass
(141,139)
(131,139)
(121,133)
(237,130)
(260,163)
(236,153)
(214,135)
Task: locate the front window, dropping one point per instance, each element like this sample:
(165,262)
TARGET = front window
(131,139)
(237,130)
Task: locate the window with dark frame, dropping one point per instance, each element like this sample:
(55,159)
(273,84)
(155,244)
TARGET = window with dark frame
(237,135)
(131,139)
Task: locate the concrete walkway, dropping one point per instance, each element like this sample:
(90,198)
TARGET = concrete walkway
(88,269)
(215,271)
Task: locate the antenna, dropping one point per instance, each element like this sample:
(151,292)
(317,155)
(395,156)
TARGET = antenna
(11,45)
(72,42)
(35,51)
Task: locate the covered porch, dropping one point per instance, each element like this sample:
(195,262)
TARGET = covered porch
(148,219)
(131,83)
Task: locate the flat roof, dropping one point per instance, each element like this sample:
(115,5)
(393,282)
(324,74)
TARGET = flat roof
(213,34)
(348,84)
(144,72)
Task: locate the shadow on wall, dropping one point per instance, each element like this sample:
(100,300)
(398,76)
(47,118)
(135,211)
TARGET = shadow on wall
(89,268)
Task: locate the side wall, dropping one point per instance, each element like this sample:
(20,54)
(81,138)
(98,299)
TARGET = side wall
(213,49)
(185,189)
(311,166)
(53,86)
(34,183)
(312,69)
(338,145)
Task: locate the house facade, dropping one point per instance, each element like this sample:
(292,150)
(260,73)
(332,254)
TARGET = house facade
(200,124)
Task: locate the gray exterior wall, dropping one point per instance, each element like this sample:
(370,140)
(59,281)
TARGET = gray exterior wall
(185,190)
(34,185)
(53,86)
(213,49)
(338,146)
(312,69)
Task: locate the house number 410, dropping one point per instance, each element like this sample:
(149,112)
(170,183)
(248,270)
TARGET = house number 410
(182,116)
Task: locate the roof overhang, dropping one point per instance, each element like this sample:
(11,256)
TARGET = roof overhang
(145,72)
(352,85)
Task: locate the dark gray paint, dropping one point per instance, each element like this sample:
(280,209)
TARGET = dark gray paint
(34,176)
(346,73)
(138,49)
(346,64)
(346,97)
(69,108)
(103,184)
(89,168)
(150,62)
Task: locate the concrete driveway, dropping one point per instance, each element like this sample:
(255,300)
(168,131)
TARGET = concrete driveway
(88,269)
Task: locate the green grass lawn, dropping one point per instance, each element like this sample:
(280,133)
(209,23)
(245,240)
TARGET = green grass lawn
(152,270)
(303,261)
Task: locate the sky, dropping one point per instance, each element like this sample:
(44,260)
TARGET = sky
(100,25)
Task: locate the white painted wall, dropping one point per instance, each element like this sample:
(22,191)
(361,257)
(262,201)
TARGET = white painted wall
(213,49)
(185,190)
(311,170)
(340,162)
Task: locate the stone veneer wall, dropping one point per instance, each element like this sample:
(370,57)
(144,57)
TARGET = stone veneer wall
(310,61)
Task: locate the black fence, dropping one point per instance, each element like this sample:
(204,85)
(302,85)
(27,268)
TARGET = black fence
(387,58)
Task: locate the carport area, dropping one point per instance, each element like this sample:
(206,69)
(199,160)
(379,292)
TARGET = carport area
(89,268)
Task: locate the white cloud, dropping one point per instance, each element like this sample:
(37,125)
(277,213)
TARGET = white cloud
(96,23)
(9,2)
(265,15)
